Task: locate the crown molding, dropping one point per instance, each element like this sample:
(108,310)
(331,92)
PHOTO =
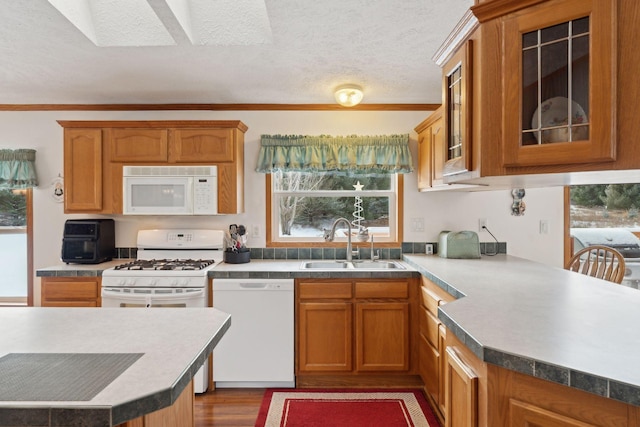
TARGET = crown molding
(217,107)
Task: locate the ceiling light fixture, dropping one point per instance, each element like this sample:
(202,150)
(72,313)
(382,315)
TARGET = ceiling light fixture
(348,95)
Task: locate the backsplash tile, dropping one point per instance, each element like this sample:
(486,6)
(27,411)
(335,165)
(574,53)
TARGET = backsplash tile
(487,248)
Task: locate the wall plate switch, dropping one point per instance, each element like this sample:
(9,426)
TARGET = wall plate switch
(428,249)
(544,226)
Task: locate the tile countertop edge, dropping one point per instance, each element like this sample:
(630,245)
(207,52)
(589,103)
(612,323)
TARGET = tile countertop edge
(132,409)
(585,381)
(104,413)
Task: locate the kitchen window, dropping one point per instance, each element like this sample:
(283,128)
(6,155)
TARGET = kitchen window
(314,180)
(302,204)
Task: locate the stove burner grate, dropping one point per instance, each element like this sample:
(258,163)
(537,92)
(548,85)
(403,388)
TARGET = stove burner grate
(165,264)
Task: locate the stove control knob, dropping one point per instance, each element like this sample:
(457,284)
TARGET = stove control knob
(131,282)
(184,282)
(174,282)
(153,282)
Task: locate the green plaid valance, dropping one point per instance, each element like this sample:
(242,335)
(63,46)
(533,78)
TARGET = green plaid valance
(351,154)
(17,169)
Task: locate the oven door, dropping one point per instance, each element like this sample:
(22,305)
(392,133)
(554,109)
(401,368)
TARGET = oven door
(154,297)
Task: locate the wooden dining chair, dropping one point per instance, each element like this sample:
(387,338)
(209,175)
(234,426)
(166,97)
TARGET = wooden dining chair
(598,261)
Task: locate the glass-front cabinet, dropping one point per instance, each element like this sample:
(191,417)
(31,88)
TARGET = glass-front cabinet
(457,108)
(558,88)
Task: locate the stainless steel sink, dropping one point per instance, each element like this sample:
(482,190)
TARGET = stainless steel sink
(323,265)
(359,265)
(377,265)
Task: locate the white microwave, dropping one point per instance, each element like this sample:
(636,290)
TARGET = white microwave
(170,190)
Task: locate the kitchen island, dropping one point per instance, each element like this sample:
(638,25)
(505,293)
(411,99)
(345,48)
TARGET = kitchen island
(127,363)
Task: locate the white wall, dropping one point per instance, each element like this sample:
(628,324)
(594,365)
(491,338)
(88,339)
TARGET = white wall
(450,211)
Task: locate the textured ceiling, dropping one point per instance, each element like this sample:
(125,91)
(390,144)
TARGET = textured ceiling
(385,46)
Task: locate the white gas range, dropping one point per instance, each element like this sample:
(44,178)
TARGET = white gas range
(170,271)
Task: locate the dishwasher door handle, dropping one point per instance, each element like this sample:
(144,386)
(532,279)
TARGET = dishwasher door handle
(253,285)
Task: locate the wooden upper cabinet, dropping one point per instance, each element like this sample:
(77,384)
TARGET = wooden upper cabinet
(83,170)
(201,145)
(457,86)
(431,151)
(96,151)
(559,88)
(138,145)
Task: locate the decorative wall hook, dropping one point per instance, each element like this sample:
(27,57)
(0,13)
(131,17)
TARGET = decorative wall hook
(518,206)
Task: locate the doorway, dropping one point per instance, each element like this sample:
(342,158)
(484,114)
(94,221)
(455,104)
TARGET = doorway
(16,247)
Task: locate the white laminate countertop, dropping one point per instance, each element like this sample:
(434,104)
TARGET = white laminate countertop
(175,344)
(543,321)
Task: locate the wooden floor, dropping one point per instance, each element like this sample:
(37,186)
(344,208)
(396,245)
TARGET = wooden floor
(228,407)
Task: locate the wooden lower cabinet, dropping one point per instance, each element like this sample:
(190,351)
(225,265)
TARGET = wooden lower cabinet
(70,291)
(486,395)
(432,344)
(382,336)
(180,414)
(325,336)
(355,327)
(524,414)
(461,392)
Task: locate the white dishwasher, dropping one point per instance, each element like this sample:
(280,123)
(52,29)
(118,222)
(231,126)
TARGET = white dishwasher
(257,350)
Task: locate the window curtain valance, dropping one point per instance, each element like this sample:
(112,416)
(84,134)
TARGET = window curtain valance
(17,169)
(350,154)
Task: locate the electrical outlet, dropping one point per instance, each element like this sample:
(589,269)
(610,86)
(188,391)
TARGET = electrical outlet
(428,249)
(255,230)
(482,223)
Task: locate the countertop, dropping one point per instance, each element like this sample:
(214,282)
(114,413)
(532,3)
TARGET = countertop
(73,270)
(522,315)
(174,343)
(543,321)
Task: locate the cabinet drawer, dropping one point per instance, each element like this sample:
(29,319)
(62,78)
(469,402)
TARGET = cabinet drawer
(431,301)
(429,327)
(382,290)
(68,289)
(319,290)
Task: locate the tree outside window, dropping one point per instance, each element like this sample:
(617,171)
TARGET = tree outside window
(305,203)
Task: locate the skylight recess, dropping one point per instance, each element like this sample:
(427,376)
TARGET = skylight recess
(135,22)
(116,22)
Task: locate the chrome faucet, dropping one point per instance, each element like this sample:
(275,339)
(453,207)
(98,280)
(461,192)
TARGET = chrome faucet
(373,256)
(330,234)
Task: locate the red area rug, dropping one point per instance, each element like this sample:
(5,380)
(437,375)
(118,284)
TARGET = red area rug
(345,408)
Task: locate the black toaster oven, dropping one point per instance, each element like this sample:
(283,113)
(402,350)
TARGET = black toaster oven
(88,241)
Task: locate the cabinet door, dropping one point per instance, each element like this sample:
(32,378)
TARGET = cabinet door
(526,415)
(430,151)
(457,111)
(438,149)
(425,160)
(201,145)
(138,145)
(442,367)
(382,336)
(325,336)
(430,369)
(83,170)
(70,292)
(558,89)
(461,395)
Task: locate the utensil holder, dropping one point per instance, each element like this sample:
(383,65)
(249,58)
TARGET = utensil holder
(239,257)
